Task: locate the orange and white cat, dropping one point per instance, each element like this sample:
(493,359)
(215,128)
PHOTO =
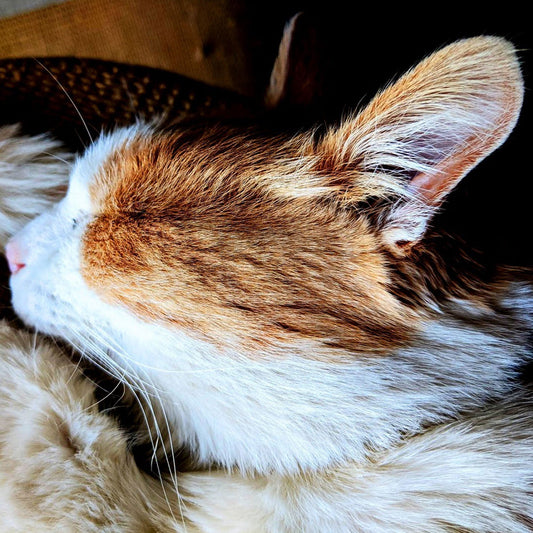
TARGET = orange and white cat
(328,360)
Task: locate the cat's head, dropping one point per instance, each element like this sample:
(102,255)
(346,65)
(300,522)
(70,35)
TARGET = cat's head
(253,244)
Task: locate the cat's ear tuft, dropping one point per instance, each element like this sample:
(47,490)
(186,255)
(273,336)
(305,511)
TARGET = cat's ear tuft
(427,130)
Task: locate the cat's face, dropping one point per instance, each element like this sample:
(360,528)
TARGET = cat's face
(253,243)
(213,234)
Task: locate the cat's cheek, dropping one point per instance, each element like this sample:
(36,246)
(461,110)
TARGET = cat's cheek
(31,303)
(42,291)
(48,299)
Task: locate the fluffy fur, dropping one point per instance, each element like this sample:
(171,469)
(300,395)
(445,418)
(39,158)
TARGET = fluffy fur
(65,465)
(285,317)
(23,196)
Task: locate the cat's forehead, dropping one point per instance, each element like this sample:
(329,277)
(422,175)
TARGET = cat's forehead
(201,229)
(141,169)
(87,167)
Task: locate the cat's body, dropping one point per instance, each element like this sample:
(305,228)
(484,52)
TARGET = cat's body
(280,306)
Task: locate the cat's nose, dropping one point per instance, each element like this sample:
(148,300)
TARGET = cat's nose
(14,257)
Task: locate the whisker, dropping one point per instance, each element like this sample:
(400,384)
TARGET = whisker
(54,156)
(159,440)
(143,393)
(68,96)
(173,467)
(75,371)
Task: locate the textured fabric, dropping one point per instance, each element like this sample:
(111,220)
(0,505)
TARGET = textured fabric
(53,94)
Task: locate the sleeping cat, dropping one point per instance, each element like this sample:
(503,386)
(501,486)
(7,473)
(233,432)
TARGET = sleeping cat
(327,359)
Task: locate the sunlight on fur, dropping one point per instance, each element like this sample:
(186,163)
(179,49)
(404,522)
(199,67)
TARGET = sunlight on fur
(280,311)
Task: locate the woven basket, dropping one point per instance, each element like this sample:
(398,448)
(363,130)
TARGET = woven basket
(52,94)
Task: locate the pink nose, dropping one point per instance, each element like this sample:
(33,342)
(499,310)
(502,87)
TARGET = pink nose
(14,257)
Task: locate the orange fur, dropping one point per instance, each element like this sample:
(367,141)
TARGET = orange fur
(191,232)
(278,249)
(248,239)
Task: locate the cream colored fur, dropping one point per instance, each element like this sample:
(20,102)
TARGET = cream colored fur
(436,437)
(33,176)
(64,466)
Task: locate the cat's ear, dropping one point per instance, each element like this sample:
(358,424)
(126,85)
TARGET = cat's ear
(427,130)
(295,81)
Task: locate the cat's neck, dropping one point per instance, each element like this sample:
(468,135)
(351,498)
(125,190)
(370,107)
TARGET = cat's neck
(267,413)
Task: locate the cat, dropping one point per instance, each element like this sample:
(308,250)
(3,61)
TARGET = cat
(282,305)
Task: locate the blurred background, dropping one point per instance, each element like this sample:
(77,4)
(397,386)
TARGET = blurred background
(233,44)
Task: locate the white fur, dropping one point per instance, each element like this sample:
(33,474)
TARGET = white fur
(65,467)
(473,476)
(292,402)
(78,199)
